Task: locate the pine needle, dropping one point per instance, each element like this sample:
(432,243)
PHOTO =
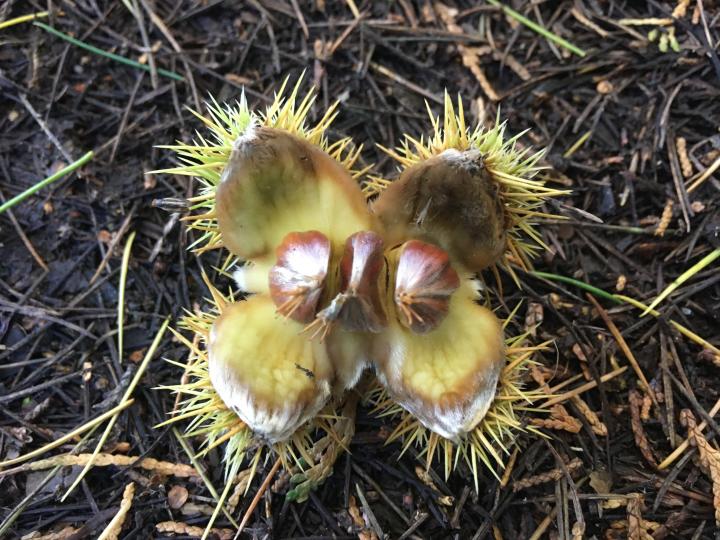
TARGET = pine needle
(23,18)
(121,294)
(126,397)
(106,54)
(579,284)
(532,25)
(49,180)
(68,436)
(690,272)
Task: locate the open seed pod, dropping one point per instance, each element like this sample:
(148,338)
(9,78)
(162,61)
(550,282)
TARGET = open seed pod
(273,378)
(265,174)
(442,353)
(252,384)
(487,443)
(275,183)
(449,199)
(470,191)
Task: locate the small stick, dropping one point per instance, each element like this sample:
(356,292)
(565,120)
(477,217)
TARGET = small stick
(623,346)
(258,496)
(25,239)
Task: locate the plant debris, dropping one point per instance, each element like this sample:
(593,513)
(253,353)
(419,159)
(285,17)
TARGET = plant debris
(631,128)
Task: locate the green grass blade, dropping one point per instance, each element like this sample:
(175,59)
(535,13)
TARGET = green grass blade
(113,56)
(539,29)
(49,180)
(694,269)
(580,284)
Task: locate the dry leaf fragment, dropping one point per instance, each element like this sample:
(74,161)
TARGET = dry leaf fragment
(579,353)
(243,479)
(355,514)
(364,533)
(177,496)
(637,528)
(709,457)
(601,482)
(534,317)
(63,534)
(641,441)
(193,509)
(621,282)
(604,87)
(137,355)
(426,478)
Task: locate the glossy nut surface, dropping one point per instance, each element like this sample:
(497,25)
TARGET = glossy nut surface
(297,279)
(424,283)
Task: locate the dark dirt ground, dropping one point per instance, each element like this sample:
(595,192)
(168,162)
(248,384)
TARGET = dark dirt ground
(59,362)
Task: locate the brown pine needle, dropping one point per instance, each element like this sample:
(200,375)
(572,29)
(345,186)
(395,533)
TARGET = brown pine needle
(68,436)
(582,389)
(258,495)
(623,346)
(126,397)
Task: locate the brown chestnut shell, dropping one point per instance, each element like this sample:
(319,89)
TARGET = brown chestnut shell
(424,283)
(297,280)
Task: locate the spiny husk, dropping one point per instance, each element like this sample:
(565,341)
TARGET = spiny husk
(309,452)
(206,156)
(496,433)
(514,169)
